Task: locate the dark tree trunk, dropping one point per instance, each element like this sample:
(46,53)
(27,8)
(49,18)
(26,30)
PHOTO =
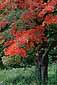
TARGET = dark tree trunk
(42,64)
(1,64)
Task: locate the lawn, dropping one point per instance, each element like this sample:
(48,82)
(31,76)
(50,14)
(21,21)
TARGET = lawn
(26,76)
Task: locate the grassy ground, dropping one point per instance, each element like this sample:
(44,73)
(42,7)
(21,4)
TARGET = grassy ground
(26,76)
(52,74)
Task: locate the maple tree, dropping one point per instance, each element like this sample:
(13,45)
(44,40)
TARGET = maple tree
(26,22)
(36,11)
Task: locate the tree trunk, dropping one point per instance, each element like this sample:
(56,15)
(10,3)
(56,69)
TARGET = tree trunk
(42,65)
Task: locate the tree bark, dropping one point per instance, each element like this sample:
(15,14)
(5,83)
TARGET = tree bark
(42,64)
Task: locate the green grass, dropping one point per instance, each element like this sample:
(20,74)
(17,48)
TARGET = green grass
(26,76)
(52,74)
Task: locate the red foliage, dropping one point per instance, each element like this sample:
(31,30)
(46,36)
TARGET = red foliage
(27,16)
(50,19)
(3,4)
(38,10)
(13,49)
(48,8)
(27,38)
(3,23)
